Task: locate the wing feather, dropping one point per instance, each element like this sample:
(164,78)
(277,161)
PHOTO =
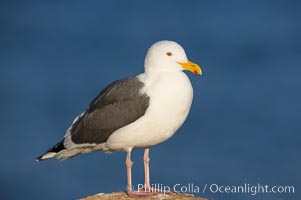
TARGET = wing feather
(118,105)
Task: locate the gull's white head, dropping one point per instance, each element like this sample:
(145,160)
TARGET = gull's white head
(168,56)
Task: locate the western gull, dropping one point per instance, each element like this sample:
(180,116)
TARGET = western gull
(134,112)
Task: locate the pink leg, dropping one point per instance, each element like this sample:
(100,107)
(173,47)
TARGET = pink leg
(146,169)
(129,164)
(147,186)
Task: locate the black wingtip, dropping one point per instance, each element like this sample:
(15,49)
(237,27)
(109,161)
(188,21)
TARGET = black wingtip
(39,158)
(57,148)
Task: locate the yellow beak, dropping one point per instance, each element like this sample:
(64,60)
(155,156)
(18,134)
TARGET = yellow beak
(190,66)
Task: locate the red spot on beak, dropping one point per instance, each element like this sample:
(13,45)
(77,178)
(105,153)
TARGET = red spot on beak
(195,71)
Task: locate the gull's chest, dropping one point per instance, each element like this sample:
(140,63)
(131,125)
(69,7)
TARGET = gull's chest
(171,97)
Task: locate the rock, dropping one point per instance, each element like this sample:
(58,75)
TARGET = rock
(123,196)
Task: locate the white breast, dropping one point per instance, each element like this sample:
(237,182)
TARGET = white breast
(170,100)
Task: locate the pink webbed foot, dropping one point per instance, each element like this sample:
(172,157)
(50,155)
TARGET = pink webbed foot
(156,191)
(140,193)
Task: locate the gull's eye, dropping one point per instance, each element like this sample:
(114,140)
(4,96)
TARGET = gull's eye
(169,53)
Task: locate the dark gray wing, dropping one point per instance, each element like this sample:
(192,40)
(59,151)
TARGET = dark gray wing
(118,105)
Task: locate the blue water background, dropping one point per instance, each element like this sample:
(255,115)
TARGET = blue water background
(245,121)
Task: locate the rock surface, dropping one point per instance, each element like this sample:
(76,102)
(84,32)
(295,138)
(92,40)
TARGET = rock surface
(123,196)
